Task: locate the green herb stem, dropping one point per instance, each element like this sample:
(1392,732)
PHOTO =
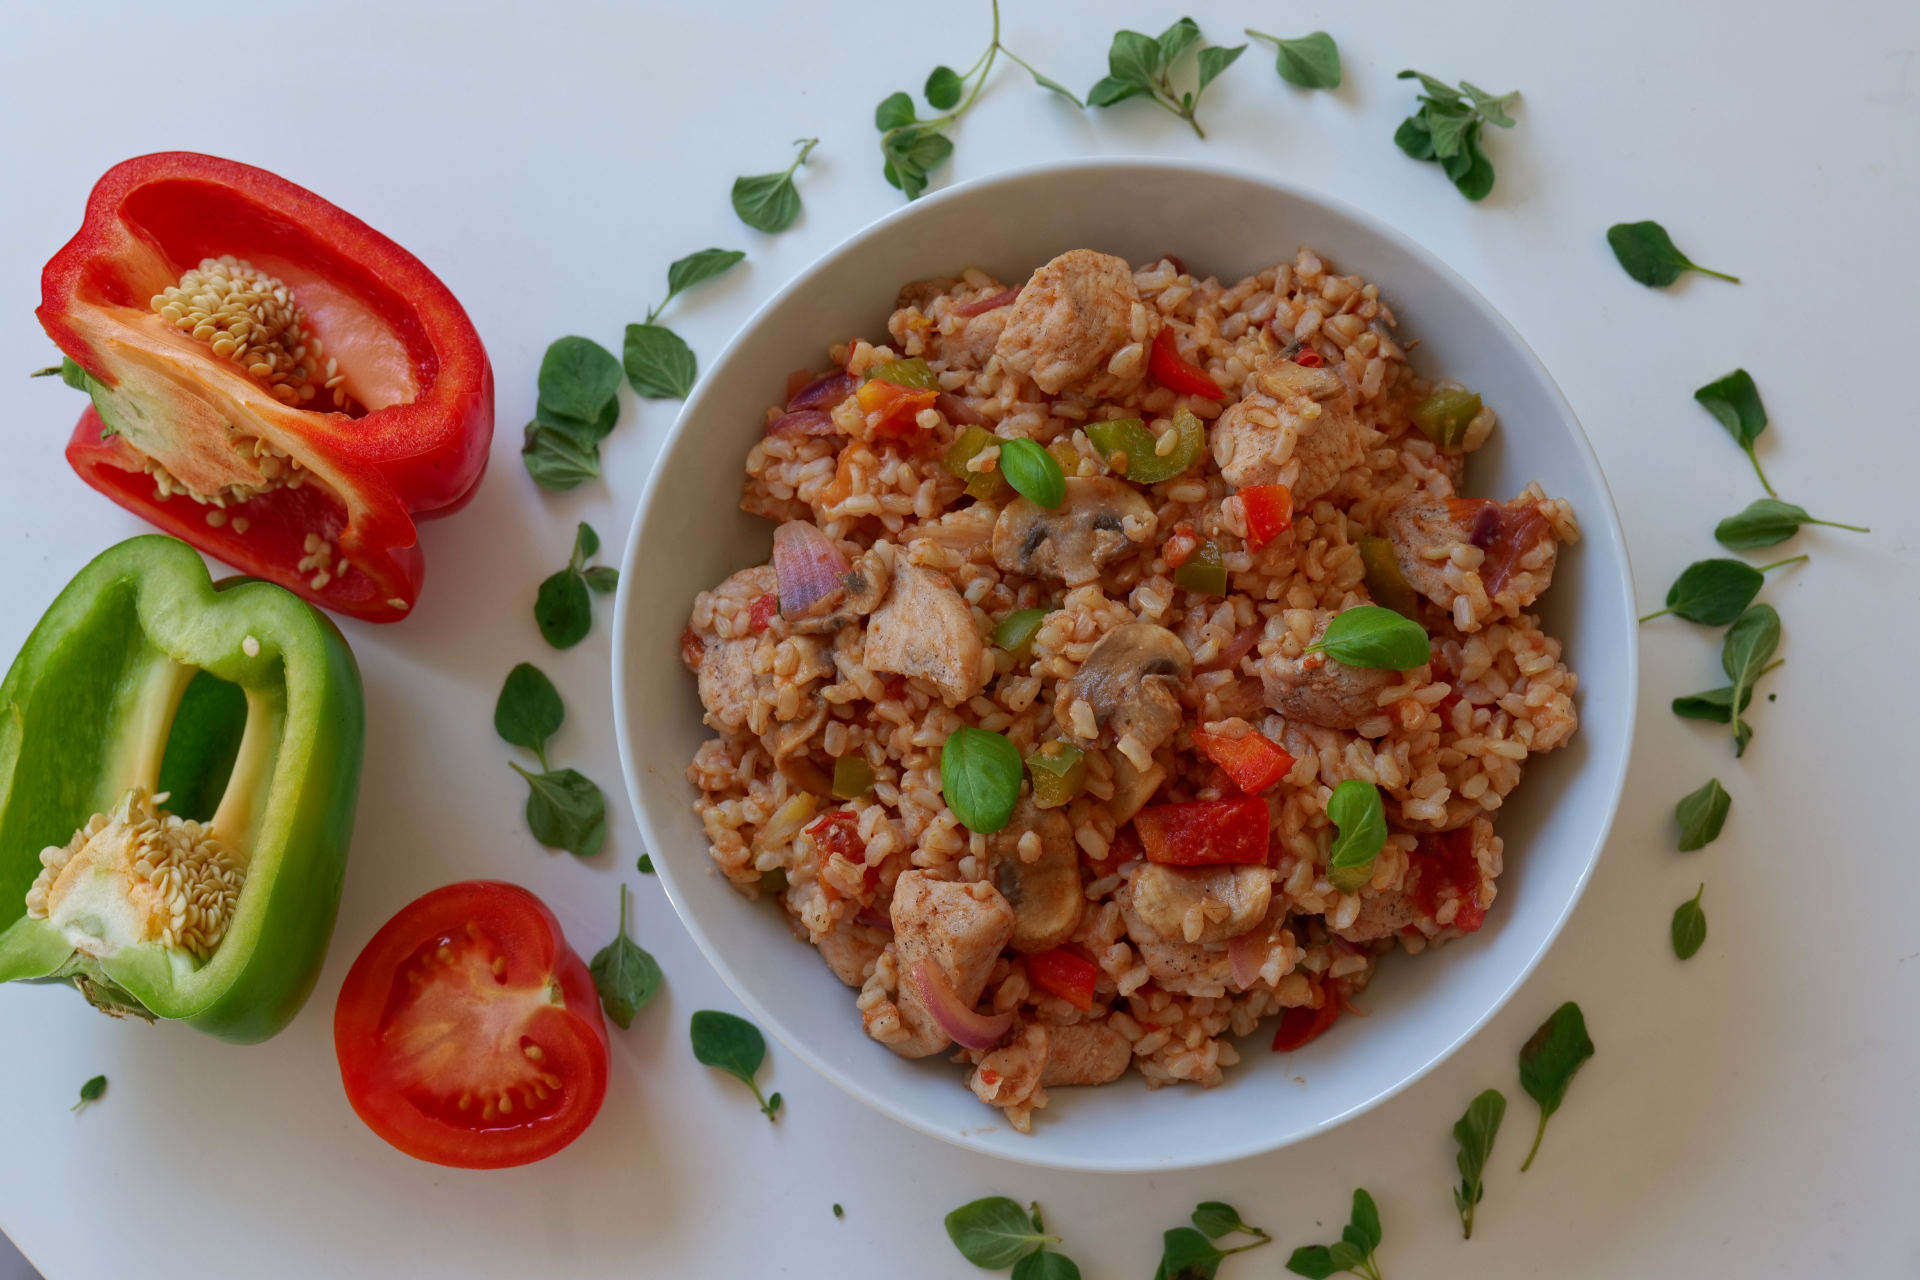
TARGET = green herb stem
(1754,458)
(1718,275)
(1538,1133)
(1779,564)
(1835,524)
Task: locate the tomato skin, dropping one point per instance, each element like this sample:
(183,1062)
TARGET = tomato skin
(838,831)
(489,921)
(1445,861)
(1176,373)
(1302,1024)
(1254,762)
(1067,974)
(1204,833)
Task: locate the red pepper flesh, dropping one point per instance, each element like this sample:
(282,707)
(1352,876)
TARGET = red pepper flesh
(1204,833)
(1176,373)
(1303,1023)
(1254,761)
(1269,512)
(1447,868)
(409,355)
(1067,974)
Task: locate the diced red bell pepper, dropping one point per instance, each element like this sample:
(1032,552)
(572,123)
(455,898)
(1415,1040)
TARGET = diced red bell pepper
(1302,1024)
(1447,869)
(1254,762)
(1308,358)
(1176,373)
(762,612)
(1269,512)
(1205,832)
(408,437)
(891,409)
(1067,974)
(838,831)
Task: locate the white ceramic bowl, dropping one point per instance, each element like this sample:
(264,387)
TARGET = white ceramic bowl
(689,534)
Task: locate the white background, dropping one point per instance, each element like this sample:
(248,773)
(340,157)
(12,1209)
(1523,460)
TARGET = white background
(1751,1112)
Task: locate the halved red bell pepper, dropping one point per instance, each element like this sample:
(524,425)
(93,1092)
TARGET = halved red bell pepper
(1177,373)
(1254,761)
(1205,832)
(314,490)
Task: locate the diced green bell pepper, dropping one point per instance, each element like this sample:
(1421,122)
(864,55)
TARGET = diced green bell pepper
(144,678)
(1204,572)
(1385,582)
(965,447)
(1059,772)
(1016,631)
(1444,415)
(1132,451)
(912,372)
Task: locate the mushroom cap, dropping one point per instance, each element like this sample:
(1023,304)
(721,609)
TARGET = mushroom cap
(1131,683)
(1099,519)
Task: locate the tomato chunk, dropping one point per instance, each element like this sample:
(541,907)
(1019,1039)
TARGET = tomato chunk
(1506,531)
(1176,373)
(1448,869)
(891,409)
(1254,762)
(1204,833)
(838,831)
(762,612)
(1067,974)
(469,1033)
(1269,512)
(1303,1023)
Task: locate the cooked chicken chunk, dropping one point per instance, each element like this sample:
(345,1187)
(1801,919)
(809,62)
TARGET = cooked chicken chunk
(1072,318)
(1085,1053)
(850,950)
(960,929)
(925,628)
(1099,520)
(1319,690)
(1516,539)
(1296,427)
(1044,890)
(1129,685)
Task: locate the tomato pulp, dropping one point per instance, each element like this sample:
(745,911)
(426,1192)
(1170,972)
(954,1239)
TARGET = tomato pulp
(469,1034)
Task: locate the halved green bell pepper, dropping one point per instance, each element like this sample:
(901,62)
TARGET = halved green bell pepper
(237,706)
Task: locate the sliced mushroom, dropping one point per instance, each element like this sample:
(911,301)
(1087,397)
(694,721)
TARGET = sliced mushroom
(926,629)
(1132,787)
(1099,519)
(1129,684)
(1201,904)
(1282,379)
(1046,894)
(1085,1053)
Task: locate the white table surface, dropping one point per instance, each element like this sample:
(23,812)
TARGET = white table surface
(1749,1113)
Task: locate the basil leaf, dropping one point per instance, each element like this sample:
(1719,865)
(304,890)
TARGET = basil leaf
(586,544)
(1374,637)
(565,811)
(1366,1218)
(1689,926)
(735,1046)
(602,579)
(1474,1132)
(624,974)
(646,864)
(563,609)
(1356,810)
(993,1232)
(1548,1062)
(557,458)
(1216,1219)
(659,363)
(1033,472)
(696,267)
(1749,645)
(943,88)
(1701,814)
(1647,254)
(577,378)
(1174,41)
(1712,592)
(1042,1265)
(980,778)
(894,112)
(1315,1261)
(92,1091)
(1311,61)
(1214,60)
(528,710)
(1111,89)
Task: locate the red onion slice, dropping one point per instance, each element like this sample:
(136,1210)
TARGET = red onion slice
(958,411)
(970,1030)
(992,302)
(806,565)
(1245,955)
(824,392)
(802,422)
(1486,523)
(1231,652)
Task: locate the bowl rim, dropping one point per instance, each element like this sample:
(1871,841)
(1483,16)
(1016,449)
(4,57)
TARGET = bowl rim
(1035,1151)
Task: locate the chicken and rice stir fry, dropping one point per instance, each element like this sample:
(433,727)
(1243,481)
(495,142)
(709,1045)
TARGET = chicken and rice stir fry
(1233,468)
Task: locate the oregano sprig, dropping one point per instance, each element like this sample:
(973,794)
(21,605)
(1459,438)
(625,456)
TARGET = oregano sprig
(1474,1132)
(1647,253)
(565,810)
(658,362)
(563,607)
(769,201)
(578,404)
(624,973)
(1548,1062)
(1311,61)
(1352,1252)
(1446,130)
(912,146)
(1140,65)
(1715,592)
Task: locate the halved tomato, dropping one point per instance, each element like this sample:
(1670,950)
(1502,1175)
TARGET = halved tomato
(469,1033)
